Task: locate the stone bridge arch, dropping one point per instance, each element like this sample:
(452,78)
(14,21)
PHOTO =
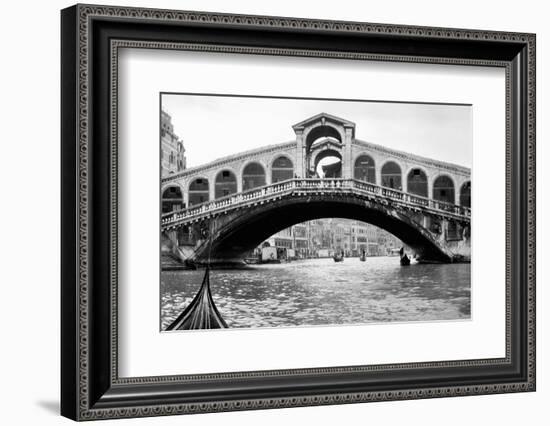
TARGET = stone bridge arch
(236,233)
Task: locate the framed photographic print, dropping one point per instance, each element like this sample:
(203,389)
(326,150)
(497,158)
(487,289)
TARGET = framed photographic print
(263,212)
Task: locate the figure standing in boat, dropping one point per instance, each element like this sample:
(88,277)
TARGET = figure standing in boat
(403,258)
(338,256)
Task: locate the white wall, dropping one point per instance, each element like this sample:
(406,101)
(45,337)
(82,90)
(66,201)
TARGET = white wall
(29,159)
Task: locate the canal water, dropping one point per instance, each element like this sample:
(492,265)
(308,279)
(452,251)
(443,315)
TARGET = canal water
(323,292)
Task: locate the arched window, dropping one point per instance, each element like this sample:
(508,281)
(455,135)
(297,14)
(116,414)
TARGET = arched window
(444,189)
(465,194)
(199,192)
(281,169)
(417,183)
(391,176)
(172,199)
(253,176)
(226,184)
(364,169)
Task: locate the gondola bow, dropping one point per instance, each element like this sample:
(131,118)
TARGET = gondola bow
(201,313)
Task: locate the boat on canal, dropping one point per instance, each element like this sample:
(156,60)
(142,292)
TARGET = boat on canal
(404,260)
(202,312)
(338,256)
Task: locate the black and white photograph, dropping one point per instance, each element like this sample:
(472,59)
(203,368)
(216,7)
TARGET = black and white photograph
(293,212)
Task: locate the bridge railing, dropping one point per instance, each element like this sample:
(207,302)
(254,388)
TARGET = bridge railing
(312,185)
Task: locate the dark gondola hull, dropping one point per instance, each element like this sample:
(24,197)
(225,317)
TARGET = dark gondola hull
(202,313)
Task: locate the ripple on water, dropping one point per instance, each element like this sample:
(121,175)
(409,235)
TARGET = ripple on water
(322,292)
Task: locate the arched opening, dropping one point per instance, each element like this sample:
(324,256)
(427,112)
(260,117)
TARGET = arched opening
(465,194)
(391,176)
(226,184)
(250,228)
(444,189)
(417,183)
(199,192)
(364,169)
(328,165)
(253,176)
(172,199)
(321,132)
(281,169)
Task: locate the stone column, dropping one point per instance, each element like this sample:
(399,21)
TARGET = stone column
(268,172)
(212,185)
(299,162)
(347,166)
(431,178)
(379,162)
(239,177)
(184,186)
(459,181)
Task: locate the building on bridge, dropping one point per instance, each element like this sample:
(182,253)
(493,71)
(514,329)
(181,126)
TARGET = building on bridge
(246,197)
(316,138)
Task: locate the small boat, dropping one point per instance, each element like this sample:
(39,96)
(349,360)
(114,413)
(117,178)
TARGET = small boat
(338,257)
(363,256)
(201,313)
(404,260)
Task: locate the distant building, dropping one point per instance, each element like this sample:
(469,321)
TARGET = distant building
(172,154)
(310,239)
(365,238)
(387,242)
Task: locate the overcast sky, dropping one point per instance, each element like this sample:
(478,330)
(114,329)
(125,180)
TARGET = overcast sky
(216,126)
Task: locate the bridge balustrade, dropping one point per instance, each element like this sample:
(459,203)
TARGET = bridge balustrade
(425,202)
(392,193)
(315,184)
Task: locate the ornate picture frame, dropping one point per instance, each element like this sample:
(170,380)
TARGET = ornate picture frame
(91,37)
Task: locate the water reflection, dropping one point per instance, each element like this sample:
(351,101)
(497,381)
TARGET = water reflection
(322,292)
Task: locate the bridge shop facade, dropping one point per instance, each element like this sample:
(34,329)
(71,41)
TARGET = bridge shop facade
(430,196)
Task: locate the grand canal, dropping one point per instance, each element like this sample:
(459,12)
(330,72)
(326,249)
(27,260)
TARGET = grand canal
(322,292)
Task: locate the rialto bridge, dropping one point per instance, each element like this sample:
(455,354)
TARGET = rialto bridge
(242,199)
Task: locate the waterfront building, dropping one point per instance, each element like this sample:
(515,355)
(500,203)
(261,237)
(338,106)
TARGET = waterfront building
(172,152)
(321,236)
(387,243)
